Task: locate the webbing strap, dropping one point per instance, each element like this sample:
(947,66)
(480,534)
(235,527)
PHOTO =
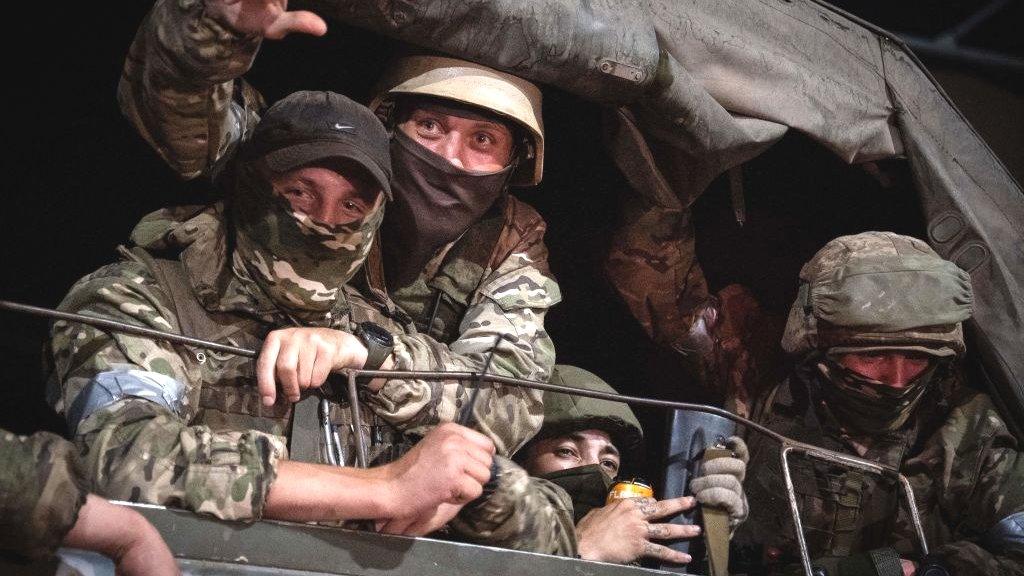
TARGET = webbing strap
(716,526)
(304,441)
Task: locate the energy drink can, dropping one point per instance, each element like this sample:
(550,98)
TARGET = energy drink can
(634,488)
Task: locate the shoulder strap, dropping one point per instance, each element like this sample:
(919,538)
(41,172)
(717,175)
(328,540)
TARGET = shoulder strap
(193,319)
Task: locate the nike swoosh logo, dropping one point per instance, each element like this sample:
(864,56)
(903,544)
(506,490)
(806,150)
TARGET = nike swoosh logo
(343,127)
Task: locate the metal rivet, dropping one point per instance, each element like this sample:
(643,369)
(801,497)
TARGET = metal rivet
(200,357)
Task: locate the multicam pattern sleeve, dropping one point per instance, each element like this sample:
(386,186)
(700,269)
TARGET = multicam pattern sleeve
(981,479)
(138,450)
(40,494)
(181,86)
(522,513)
(506,316)
(179,82)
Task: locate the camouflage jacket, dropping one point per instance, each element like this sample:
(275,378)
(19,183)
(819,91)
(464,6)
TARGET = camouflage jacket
(522,513)
(217,450)
(40,494)
(965,468)
(183,77)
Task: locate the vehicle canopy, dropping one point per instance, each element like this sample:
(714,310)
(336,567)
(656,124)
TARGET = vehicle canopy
(712,84)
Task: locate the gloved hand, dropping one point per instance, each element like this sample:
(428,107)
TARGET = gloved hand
(720,483)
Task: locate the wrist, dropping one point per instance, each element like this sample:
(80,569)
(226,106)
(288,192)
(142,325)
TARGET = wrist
(586,551)
(106,528)
(358,354)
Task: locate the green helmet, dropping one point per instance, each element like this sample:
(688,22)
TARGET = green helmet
(879,291)
(564,414)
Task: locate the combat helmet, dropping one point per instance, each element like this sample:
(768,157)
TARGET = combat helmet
(879,291)
(564,413)
(508,96)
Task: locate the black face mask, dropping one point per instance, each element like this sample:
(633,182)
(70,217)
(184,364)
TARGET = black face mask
(434,203)
(868,406)
(588,487)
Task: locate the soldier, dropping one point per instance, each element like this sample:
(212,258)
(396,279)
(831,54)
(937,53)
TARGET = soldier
(460,255)
(268,270)
(876,335)
(43,506)
(559,508)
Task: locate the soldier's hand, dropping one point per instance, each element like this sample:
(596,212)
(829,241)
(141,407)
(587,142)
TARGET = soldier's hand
(623,531)
(302,358)
(122,534)
(422,524)
(266,18)
(449,465)
(721,482)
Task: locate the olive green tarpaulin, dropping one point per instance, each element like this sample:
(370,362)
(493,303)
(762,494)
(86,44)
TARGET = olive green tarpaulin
(719,81)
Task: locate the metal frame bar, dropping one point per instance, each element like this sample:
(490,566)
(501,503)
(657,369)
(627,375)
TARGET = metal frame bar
(830,456)
(787,445)
(357,421)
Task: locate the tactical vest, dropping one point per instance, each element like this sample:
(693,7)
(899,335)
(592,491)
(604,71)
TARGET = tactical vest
(229,399)
(843,511)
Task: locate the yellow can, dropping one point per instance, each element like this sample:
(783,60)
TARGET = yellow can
(629,489)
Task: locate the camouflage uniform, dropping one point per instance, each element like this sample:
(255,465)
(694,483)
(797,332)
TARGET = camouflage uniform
(182,90)
(531,513)
(212,447)
(965,467)
(522,513)
(40,493)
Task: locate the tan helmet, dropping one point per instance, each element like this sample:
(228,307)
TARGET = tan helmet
(469,83)
(879,291)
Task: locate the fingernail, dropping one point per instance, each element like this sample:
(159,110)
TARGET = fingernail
(696,530)
(687,558)
(268,401)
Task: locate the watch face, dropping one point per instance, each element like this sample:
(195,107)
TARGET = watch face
(377,332)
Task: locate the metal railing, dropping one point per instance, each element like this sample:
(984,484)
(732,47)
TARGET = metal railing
(786,445)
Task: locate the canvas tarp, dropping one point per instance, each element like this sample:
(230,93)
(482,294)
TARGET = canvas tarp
(716,82)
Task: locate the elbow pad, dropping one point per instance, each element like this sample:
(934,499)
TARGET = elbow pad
(107,388)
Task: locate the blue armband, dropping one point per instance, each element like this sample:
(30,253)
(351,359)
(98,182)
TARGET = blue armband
(111,386)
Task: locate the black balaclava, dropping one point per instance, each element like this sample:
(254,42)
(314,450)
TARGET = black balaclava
(435,202)
(588,487)
(869,406)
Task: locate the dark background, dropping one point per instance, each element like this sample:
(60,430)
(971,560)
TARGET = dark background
(79,178)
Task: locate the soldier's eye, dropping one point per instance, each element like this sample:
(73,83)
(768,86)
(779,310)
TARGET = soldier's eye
(611,465)
(428,126)
(296,193)
(565,452)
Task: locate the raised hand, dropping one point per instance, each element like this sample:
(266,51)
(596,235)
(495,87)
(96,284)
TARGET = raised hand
(265,18)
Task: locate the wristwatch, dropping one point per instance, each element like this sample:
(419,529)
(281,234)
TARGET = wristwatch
(378,341)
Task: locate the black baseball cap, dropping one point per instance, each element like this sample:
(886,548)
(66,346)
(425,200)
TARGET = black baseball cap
(308,126)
